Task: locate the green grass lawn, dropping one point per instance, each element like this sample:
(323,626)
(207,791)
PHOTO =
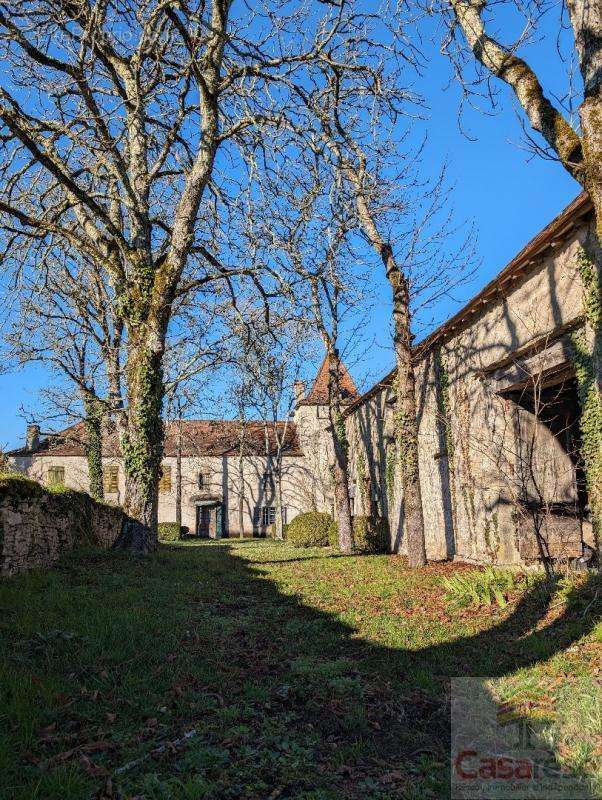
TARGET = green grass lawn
(254,670)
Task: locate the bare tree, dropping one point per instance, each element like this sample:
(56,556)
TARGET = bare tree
(268,361)
(114,150)
(403,219)
(66,320)
(305,234)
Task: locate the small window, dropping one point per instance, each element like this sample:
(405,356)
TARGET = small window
(268,515)
(111,476)
(267,480)
(56,476)
(165,482)
(204,480)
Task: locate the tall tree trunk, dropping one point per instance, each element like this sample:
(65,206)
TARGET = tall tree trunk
(142,441)
(93,424)
(179,472)
(406,416)
(340,470)
(406,419)
(279,528)
(241,496)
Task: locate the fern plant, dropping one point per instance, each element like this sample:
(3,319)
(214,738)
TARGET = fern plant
(480,588)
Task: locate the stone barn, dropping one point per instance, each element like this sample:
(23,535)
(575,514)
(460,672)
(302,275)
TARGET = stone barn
(500,445)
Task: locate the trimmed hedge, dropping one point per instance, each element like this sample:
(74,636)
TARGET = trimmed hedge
(169,531)
(369,535)
(309,530)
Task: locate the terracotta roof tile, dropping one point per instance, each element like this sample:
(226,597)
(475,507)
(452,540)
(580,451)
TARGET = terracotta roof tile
(318,394)
(200,437)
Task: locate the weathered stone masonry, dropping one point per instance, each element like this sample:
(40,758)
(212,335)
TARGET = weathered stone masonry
(499,416)
(37,527)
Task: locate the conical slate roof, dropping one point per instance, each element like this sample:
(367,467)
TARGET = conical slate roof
(318,394)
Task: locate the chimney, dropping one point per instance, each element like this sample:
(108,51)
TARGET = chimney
(299,389)
(32,437)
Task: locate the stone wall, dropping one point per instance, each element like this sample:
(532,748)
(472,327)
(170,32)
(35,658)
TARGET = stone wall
(38,526)
(473,441)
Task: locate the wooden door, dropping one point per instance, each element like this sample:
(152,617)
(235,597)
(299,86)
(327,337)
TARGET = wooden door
(203,519)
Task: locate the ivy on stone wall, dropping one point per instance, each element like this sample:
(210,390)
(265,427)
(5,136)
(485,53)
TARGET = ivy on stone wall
(360,469)
(590,423)
(443,402)
(390,468)
(592,290)
(590,420)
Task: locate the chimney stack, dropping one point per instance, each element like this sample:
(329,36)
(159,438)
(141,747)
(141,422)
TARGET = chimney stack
(32,437)
(299,389)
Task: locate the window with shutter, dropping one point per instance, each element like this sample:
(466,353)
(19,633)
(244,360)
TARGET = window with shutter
(56,476)
(111,476)
(268,515)
(165,482)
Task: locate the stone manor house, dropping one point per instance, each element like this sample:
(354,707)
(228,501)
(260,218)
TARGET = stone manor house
(499,437)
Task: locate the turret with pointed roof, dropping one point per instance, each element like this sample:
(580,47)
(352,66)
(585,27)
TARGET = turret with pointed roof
(318,395)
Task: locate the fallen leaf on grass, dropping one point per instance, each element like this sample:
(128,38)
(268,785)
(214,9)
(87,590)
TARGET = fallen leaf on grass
(91,747)
(92,769)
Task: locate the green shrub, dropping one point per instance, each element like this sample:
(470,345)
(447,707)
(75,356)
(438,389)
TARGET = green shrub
(333,533)
(480,588)
(369,535)
(169,531)
(309,529)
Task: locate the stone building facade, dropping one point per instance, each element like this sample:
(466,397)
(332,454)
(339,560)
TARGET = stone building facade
(214,480)
(499,437)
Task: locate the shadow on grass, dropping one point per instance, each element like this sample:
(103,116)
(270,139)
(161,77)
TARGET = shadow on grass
(284,699)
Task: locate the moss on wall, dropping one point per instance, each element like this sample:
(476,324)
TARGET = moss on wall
(38,523)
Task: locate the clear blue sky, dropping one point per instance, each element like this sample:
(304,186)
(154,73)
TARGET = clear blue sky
(508,193)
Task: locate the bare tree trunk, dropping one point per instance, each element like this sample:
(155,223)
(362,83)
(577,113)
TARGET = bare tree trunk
(341,454)
(279,528)
(406,416)
(241,495)
(179,471)
(406,420)
(93,424)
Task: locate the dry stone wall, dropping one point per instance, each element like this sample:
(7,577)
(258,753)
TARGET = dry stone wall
(38,526)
